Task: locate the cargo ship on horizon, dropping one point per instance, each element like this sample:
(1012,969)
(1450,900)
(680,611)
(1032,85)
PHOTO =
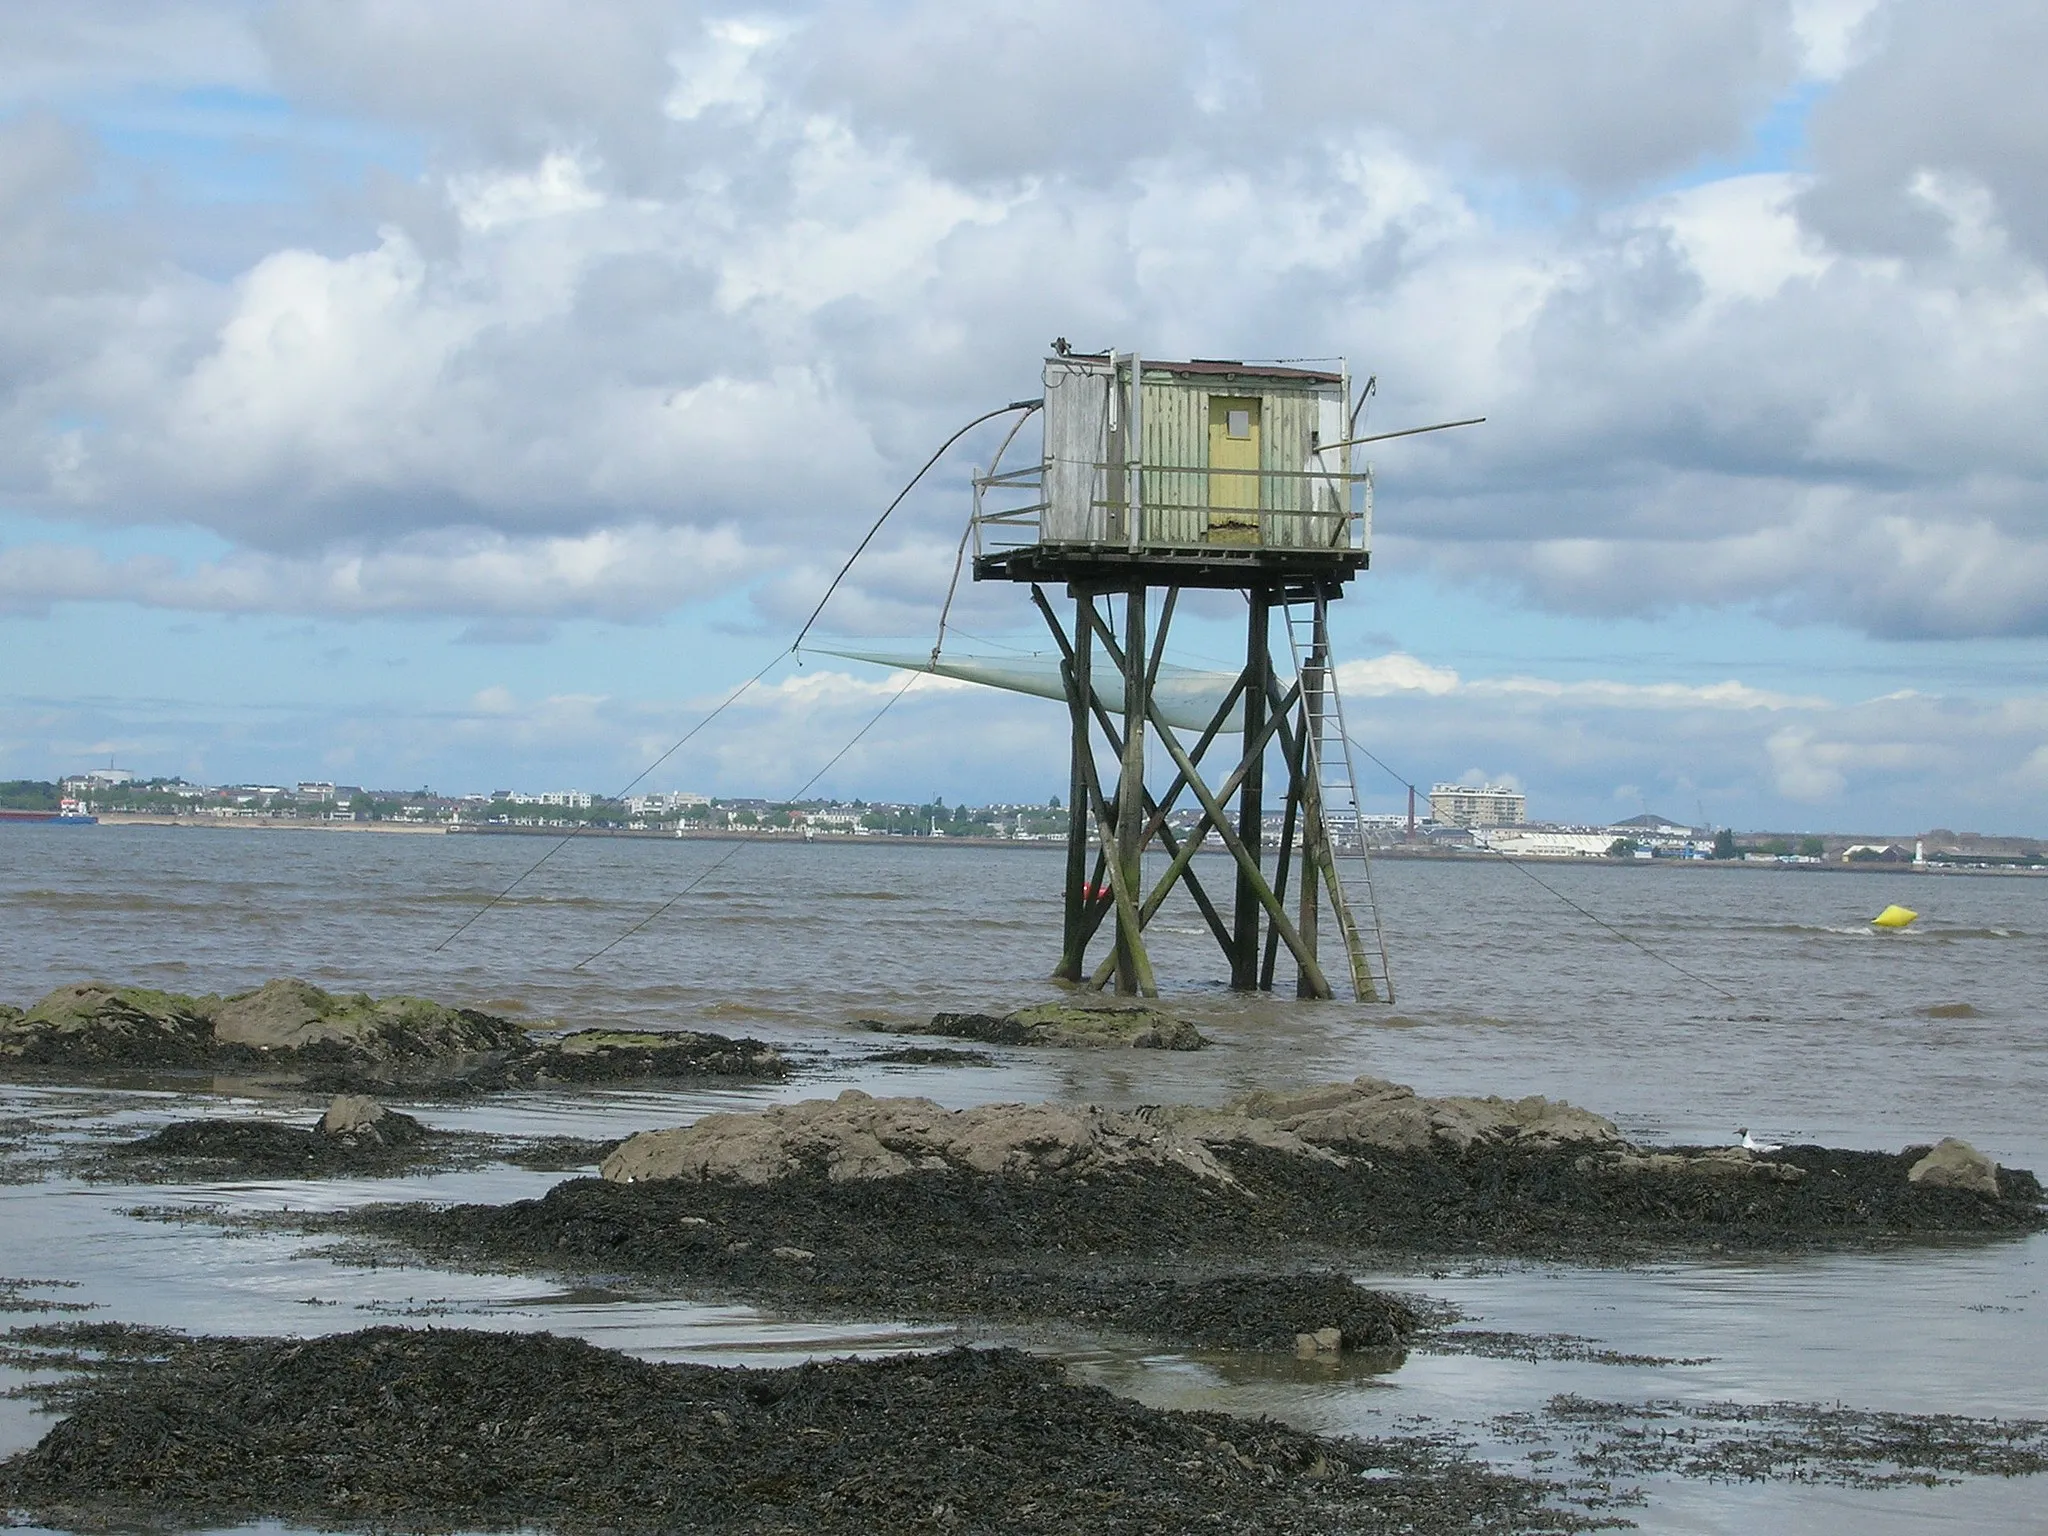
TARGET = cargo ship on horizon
(69,813)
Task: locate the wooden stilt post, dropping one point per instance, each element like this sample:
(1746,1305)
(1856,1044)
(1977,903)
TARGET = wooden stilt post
(1313,855)
(1251,803)
(1289,822)
(1130,797)
(1080,687)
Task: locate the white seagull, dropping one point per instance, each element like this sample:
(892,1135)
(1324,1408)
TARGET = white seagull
(1751,1144)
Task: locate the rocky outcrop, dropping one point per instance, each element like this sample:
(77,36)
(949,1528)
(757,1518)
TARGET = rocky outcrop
(1954,1164)
(1721,1163)
(1064,1025)
(93,1024)
(1371,1112)
(292,1015)
(351,1114)
(289,1029)
(858,1137)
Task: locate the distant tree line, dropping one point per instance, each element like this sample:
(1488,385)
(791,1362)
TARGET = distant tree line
(28,795)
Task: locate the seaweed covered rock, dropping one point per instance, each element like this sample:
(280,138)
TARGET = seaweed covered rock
(447,1429)
(94,1024)
(1065,1025)
(356,1136)
(607,1055)
(289,1030)
(1273,1311)
(292,1015)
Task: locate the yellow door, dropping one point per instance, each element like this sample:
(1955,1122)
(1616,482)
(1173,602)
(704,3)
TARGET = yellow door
(1233,444)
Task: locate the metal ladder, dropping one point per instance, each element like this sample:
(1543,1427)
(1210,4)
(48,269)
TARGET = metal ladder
(1333,783)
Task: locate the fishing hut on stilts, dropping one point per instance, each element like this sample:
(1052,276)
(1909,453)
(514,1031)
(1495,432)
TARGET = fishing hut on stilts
(1157,478)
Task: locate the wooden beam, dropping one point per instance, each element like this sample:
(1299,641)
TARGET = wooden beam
(1180,867)
(1313,855)
(1304,957)
(1130,948)
(1251,805)
(1079,684)
(1127,868)
(1095,909)
(1289,752)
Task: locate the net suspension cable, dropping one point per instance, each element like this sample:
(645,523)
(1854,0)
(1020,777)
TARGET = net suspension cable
(1522,868)
(1025,407)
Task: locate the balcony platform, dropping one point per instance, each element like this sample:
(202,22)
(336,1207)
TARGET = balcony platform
(1302,573)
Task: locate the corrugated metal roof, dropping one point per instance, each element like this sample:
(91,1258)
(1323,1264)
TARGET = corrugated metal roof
(1217,365)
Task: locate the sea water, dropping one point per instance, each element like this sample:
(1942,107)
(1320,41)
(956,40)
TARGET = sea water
(1692,1000)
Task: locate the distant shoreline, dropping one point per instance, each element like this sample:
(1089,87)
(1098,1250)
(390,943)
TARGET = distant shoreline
(261,823)
(1004,844)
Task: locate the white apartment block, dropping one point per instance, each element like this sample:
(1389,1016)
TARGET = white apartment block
(656,805)
(1477,805)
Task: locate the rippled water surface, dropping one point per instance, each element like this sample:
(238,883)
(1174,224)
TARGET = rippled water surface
(1773,1005)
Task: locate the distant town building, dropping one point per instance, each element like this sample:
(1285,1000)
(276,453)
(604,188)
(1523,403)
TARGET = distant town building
(1875,853)
(663,804)
(1546,843)
(1477,805)
(839,821)
(570,799)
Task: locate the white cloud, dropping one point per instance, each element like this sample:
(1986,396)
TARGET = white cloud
(720,71)
(1904,760)
(1806,770)
(1741,236)
(1394,673)
(1834,35)
(747,283)
(1397,672)
(557,186)
(614,573)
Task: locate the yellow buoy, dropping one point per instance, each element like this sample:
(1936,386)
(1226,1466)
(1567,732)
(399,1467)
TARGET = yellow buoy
(1895,917)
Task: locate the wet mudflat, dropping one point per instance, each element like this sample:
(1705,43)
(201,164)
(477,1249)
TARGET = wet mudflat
(445,1429)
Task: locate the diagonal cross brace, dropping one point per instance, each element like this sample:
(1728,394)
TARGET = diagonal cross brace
(1183,856)
(1157,811)
(1289,935)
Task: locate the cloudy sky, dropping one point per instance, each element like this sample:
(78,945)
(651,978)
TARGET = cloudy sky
(468,394)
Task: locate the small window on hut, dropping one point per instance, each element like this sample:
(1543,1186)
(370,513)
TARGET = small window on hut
(1239,424)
